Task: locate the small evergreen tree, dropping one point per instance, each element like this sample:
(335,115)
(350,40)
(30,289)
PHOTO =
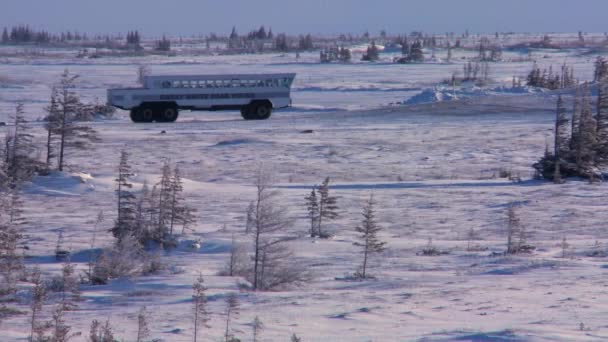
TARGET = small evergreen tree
(312,205)
(180,212)
(601,69)
(5,37)
(232,309)
(70,289)
(328,208)
(51,125)
(416,54)
(514,226)
(38,297)
(143,330)
(163,44)
(236,264)
(61,331)
(125,219)
(199,303)
(372,54)
(11,261)
(602,122)
(144,215)
(19,161)
(561,144)
(164,200)
(71,133)
(101,332)
(368,237)
(587,136)
(257,326)
(449,56)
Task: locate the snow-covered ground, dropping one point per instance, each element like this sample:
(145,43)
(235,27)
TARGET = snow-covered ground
(432,166)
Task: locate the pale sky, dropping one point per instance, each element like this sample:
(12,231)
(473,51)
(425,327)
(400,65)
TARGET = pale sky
(186,17)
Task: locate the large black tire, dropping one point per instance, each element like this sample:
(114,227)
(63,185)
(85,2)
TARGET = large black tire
(167,114)
(136,115)
(148,114)
(246,112)
(261,111)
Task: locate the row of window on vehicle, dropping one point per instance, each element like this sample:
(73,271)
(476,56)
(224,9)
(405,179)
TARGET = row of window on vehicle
(233,83)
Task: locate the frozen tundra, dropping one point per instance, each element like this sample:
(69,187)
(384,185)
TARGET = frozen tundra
(161,97)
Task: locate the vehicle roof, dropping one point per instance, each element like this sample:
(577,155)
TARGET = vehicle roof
(222,76)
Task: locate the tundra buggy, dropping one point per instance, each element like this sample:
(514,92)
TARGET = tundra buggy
(161,97)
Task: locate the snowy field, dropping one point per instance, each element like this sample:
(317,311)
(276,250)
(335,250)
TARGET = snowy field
(433,168)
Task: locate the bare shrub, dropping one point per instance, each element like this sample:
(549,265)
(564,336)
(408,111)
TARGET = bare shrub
(238,263)
(124,259)
(101,332)
(272,265)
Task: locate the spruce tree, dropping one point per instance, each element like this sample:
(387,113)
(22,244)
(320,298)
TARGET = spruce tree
(602,121)
(312,205)
(514,227)
(180,212)
(72,134)
(20,162)
(576,120)
(328,208)
(70,291)
(587,135)
(449,56)
(101,333)
(60,330)
(199,305)
(164,202)
(232,309)
(125,219)
(51,125)
(38,297)
(5,37)
(143,330)
(257,326)
(368,237)
(561,130)
(250,217)
(237,261)
(416,53)
(11,261)
(143,218)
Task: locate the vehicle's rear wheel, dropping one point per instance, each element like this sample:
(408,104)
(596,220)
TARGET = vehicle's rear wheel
(136,115)
(168,114)
(147,114)
(247,112)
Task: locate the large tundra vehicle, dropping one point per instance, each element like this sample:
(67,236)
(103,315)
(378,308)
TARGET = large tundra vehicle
(161,97)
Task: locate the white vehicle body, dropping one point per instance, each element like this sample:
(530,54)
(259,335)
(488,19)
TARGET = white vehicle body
(161,97)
